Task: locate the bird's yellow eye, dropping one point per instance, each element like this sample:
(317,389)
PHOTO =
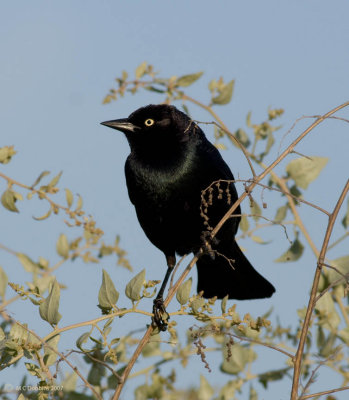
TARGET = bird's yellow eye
(149,122)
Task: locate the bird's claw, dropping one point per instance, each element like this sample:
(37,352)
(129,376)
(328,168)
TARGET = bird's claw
(161,316)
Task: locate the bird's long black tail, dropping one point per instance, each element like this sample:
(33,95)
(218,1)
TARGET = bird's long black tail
(236,278)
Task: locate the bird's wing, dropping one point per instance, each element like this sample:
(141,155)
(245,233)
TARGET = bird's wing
(130,181)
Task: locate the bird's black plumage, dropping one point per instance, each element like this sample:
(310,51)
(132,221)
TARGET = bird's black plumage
(170,165)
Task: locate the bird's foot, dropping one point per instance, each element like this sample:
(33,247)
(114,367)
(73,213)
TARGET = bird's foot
(161,316)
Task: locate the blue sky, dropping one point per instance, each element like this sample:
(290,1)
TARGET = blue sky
(59,59)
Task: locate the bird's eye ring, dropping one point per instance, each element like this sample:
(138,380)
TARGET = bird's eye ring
(149,122)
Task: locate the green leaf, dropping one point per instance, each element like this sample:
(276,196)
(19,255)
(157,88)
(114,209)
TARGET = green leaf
(205,391)
(224,304)
(50,356)
(281,213)
(49,308)
(33,370)
(330,275)
(225,94)
(244,224)
(154,89)
(303,170)
(242,137)
(82,339)
(240,356)
(44,216)
(255,210)
(345,220)
(326,311)
(55,180)
(183,292)
(328,347)
(196,304)
(133,288)
(19,333)
(62,246)
(253,394)
(343,334)
(28,264)
(79,204)
(271,376)
(38,179)
(69,197)
(108,295)
(6,154)
(187,80)
(293,253)
(8,200)
(152,348)
(3,282)
(141,70)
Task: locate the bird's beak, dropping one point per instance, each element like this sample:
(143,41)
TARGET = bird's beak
(122,125)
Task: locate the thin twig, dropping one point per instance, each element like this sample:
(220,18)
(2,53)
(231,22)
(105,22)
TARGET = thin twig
(309,396)
(311,303)
(75,369)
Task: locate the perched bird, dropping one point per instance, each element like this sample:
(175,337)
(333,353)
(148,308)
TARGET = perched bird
(181,188)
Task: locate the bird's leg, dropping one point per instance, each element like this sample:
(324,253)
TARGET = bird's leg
(159,309)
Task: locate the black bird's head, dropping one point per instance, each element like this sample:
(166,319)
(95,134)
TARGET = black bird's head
(161,126)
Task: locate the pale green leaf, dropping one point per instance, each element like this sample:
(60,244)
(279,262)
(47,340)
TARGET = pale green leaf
(38,179)
(253,394)
(197,304)
(62,246)
(224,304)
(183,292)
(79,204)
(108,295)
(28,264)
(8,200)
(19,333)
(281,213)
(271,376)
(152,348)
(6,154)
(225,94)
(327,314)
(244,224)
(49,308)
(55,180)
(82,339)
(255,210)
(304,170)
(50,356)
(33,370)
(141,70)
(240,356)
(242,137)
(44,216)
(133,288)
(205,391)
(345,220)
(69,197)
(3,282)
(293,253)
(187,80)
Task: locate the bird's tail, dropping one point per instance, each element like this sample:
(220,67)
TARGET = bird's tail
(230,273)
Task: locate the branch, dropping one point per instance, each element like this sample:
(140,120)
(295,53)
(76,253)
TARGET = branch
(312,299)
(75,369)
